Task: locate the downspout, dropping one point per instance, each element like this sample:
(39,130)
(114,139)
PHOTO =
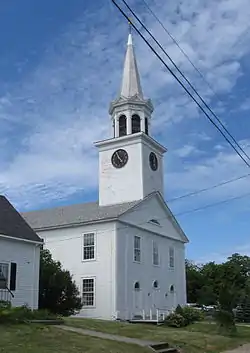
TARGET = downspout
(34,277)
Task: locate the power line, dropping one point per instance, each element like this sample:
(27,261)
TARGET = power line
(179,81)
(208,188)
(188,82)
(162,218)
(213,204)
(177,44)
(196,192)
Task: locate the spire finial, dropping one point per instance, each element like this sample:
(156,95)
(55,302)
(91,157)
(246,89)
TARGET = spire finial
(129,26)
(131,85)
(129,32)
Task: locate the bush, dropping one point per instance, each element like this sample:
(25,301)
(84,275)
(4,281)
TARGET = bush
(242,312)
(9,315)
(191,315)
(175,320)
(184,316)
(225,321)
(5,304)
(57,290)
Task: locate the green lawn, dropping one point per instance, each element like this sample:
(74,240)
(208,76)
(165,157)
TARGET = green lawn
(47,339)
(196,338)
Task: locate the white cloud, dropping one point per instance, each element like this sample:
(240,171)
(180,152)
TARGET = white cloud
(219,257)
(186,151)
(61,107)
(245,105)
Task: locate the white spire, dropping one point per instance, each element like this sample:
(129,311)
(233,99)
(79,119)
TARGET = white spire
(131,80)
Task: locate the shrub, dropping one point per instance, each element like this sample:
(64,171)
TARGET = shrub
(9,315)
(4,304)
(191,315)
(225,321)
(242,312)
(175,320)
(179,310)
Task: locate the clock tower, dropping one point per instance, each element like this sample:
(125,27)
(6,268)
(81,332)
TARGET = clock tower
(130,163)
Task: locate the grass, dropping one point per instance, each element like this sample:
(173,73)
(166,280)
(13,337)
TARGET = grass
(46,339)
(195,338)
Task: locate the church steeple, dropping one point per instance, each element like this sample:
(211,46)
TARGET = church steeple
(131,85)
(130,112)
(130,163)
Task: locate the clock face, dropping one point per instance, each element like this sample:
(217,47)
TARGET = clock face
(119,158)
(153,161)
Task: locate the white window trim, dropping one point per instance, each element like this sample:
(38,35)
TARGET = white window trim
(171,267)
(156,288)
(89,306)
(172,292)
(155,224)
(7,263)
(137,262)
(95,247)
(157,265)
(136,289)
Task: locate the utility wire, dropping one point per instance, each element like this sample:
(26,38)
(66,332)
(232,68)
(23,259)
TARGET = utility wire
(179,81)
(213,204)
(208,188)
(177,44)
(196,192)
(188,82)
(159,219)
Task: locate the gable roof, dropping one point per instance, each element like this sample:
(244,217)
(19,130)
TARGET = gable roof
(75,214)
(12,223)
(91,212)
(168,212)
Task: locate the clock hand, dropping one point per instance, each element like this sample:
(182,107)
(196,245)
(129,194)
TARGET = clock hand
(117,154)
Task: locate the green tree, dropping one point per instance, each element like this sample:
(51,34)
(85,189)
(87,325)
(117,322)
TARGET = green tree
(57,291)
(194,281)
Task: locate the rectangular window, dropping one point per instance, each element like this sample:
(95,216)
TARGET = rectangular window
(171,257)
(137,249)
(4,271)
(155,253)
(88,292)
(89,246)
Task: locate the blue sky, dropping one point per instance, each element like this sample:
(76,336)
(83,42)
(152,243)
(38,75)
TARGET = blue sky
(61,65)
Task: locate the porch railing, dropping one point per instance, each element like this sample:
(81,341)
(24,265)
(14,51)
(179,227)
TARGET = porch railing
(6,295)
(154,315)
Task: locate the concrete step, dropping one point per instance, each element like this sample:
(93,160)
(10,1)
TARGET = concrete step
(163,348)
(159,346)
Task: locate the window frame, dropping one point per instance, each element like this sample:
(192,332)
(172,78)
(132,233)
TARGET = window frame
(171,258)
(136,249)
(146,125)
(94,291)
(154,242)
(8,264)
(153,285)
(155,222)
(136,123)
(84,246)
(122,129)
(137,289)
(172,291)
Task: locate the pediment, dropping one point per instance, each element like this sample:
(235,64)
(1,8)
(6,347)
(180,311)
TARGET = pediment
(154,215)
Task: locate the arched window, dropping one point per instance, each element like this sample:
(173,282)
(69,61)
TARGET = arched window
(146,126)
(171,289)
(155,284)
(137,286)
(122,125)
(136,124)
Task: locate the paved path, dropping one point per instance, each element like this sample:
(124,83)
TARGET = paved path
(242,349)
(107,336)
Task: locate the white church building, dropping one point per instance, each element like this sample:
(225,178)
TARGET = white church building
(126,251)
